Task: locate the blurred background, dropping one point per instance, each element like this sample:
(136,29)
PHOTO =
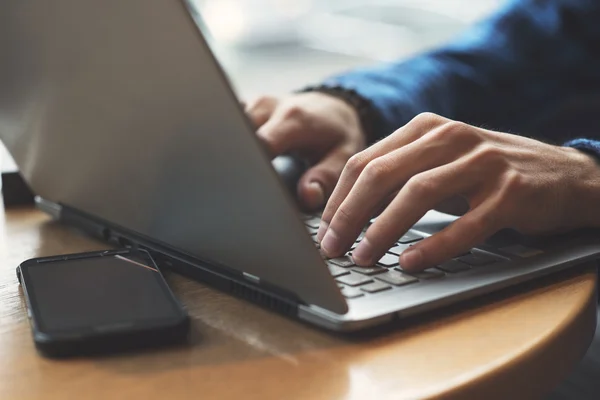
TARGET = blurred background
(275,46)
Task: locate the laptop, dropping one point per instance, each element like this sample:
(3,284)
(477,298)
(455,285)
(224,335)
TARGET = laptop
(121,120)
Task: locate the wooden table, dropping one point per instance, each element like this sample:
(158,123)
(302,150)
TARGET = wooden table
(517,344)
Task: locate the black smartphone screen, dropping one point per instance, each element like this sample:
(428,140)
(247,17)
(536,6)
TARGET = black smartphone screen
(95,292)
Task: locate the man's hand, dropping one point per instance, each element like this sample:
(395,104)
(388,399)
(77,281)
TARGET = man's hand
(320,128)
(508,181)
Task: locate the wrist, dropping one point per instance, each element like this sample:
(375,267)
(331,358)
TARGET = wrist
(347,115)
(586,191)
(368,117)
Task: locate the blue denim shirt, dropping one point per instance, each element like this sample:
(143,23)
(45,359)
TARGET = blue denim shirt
(533,68)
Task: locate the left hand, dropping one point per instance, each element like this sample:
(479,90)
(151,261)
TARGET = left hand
(324,130)
(508,181)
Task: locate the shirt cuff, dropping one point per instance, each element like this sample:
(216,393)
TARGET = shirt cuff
(588,146)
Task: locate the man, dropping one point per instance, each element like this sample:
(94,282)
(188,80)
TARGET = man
(436,125)
(513,72)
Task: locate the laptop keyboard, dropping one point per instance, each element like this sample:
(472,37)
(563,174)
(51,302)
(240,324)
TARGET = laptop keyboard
(387,274)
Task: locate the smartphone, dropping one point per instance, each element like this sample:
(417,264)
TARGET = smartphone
(100,302)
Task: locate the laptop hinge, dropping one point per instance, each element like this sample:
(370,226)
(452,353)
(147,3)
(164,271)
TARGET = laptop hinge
(223,278)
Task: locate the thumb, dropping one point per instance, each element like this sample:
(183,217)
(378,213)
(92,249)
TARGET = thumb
(317,184)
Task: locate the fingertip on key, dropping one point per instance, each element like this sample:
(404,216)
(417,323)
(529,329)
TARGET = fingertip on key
(412,259)
(314,195)
(323,226)
(363,254)
(331,244)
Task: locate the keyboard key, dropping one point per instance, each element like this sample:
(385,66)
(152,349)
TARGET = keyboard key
(375,287)
(427,274)
(351,292)
(360,237)
(388,260)
(409,237)
(337,271)
(345,261)
(396,278)
(313,222)
(397,250)
(354,279)
(311,230)
(369,270)
(453,266)
(478,259)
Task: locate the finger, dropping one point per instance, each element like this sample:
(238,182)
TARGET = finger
(287,131)
(383,176)
(468,231)
(415,129)
(280,135)
(318,182)
(423,192)
(261,109)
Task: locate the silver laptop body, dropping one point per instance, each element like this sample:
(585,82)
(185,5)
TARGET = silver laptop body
(121,120)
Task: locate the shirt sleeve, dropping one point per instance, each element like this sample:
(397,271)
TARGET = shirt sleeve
(499,74)
(589,146)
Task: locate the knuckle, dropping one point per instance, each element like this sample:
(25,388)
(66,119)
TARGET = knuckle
(456,131)
(452,132)
(513,193)
(294,112)
(420,186)
(377,169)
(261,101)
(356,164)
(491,156)
(515,182)
(426,118)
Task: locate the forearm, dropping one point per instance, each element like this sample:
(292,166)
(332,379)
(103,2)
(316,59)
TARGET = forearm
(500,74)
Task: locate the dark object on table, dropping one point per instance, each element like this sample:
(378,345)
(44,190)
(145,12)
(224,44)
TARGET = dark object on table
(99,303)
(15,191)
(290,170)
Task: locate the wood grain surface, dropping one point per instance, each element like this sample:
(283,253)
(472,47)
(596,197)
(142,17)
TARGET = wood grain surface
(517,344)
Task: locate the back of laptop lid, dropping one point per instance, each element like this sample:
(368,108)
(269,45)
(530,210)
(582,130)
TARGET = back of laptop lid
(118,108)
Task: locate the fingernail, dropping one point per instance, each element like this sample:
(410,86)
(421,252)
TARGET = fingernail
(323,226)
(331,243)
(363,254)
(317,194)
(411,258)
